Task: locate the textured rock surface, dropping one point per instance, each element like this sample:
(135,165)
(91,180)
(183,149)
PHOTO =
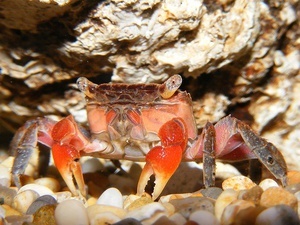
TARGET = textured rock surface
(245,55)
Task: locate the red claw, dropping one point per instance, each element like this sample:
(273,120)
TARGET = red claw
(162,161)
(68,142)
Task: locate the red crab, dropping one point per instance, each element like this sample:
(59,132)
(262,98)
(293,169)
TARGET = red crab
(142,122)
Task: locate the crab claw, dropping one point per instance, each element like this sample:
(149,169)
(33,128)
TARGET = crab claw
(68,141)
(162,161)
(66,159)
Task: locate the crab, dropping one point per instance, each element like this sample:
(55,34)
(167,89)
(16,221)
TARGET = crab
(153,123)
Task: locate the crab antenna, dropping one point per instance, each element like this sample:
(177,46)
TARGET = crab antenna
(170,86)
(85,86)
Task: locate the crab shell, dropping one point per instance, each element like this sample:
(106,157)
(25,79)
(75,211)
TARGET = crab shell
(124,119)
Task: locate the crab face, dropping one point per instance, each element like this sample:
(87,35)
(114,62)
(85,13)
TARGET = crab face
(142,122)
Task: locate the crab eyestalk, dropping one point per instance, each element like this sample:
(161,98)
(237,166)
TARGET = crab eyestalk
(170,86)
(86,86)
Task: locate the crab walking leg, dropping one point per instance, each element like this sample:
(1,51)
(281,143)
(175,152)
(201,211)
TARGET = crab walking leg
(162,161)
(266,152)
(209,164)
(26,140)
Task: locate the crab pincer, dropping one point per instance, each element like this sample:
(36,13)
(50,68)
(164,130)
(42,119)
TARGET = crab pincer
(68,142)
(162,161)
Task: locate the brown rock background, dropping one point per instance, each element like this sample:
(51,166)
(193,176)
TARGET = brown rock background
(239,57)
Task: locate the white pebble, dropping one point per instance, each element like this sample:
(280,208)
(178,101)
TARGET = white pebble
(71,212)
(5,176)
(104,219)
(24,199)
(203,217)
(178,219)
(267,183)
(41,190)
(224,199)
(238,183)
(91,165)
(111,197)
(278,215)
(48,182)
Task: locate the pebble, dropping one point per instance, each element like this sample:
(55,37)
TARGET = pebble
(40,202)
(5,176)
(111,197)
(40,189)
(276,196)
(293,177)
(252,195)
(229,213)
(238,183)
(223,200)
(148,214)
(95,211)
(7,195)
(133,201)
(188,205)
(202,217)
(267,183)
(48,182)
(293,188)
(44,215)
(211,192)
(91,165)
(128,221)
(24,199)
(71,212)
(278,215)
(178,219)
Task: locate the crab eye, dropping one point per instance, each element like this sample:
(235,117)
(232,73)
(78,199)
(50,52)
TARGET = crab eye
(170,86)
(270,160)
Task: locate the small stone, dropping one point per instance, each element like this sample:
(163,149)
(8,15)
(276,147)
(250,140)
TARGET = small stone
(293,188)
(40,202)
(71,212)
(91,165)
(277,195)
(278,215)
(202,217)
(167,198)
(48,182)
(188,205)
(223,200)
(45,215)
(253,194)
(104,218)
(24,199)
(148,214)
(5,176)
(178,219)
(96,211)
(238,183)
(267,183)
(128,221)
(293,177)
(137,202)
(212,192)
(7,195)
(111,197)
(41,190)
(231,210)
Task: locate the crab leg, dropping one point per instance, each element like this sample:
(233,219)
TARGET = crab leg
(66,152)
(209,165)
(162,161)
(265,151)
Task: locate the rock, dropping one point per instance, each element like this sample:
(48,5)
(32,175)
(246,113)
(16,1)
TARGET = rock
(111,197)
(188,205)
(238,183)
(48,182)
(278,215)
(44,215)
(134,201)
(223,200)
(293,177)
(253,194)
(71,212)
(41,202)
(178,218)
(203,217)
(128,221)
(266,183)
(7,195)
(211,192)
(24,199)
(276,196)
